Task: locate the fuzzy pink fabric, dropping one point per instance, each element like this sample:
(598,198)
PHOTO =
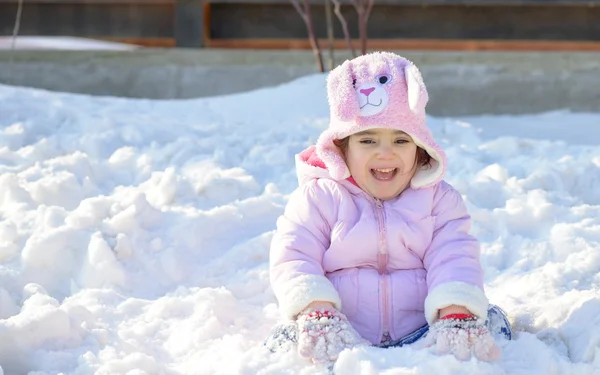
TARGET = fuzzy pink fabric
(310,157)
(403,99)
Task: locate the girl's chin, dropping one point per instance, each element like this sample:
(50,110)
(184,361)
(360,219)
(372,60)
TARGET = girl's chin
(386,194)
(383,189)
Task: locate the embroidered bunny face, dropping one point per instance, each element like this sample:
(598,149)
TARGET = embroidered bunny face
(372,97)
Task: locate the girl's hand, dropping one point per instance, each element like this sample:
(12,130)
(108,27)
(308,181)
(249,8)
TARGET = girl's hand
(462,335)
(323,332)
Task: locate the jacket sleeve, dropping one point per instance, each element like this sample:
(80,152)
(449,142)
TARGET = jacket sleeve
(454,272)
(302,236)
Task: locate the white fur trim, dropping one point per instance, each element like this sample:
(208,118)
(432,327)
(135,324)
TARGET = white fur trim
(298,292)
(427,175)
(306,172)
(455,293)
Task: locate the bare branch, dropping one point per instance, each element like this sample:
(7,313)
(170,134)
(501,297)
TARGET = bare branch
(369,8)
(17,25)
(338,12)
(330,35)
(299,9)
(314,43)
(312,37)
(363,9)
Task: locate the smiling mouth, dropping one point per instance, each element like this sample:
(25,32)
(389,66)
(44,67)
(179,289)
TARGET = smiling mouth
(384,174)
(374,105)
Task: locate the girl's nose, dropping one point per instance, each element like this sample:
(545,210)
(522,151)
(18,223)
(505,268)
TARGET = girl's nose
(386,151)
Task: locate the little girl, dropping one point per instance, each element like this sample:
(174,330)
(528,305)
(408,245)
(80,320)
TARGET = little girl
(374,247)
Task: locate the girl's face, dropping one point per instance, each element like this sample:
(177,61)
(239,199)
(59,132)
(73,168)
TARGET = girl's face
(381,161)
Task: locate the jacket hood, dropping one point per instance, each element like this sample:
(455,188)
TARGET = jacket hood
(309,166)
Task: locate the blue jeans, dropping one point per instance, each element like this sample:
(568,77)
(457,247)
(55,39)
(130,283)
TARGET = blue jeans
(496,322)
(284,336)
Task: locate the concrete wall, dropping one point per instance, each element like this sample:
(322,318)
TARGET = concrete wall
(460,83)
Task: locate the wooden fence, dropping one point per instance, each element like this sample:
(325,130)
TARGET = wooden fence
(394,24)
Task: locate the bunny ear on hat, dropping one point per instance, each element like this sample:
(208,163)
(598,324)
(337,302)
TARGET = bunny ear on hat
(344,109)
(413,86)
(343,100)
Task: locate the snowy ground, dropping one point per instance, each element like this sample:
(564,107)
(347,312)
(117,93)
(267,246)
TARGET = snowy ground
(134,234)
(61,43)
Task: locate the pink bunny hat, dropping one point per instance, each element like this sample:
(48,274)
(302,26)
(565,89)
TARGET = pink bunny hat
(378,90)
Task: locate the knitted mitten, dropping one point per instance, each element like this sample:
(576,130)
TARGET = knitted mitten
(323,332)
(462,335)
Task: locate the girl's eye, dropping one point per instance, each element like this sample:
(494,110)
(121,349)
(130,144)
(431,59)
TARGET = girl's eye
(384,78)
(367,141)
(401,141)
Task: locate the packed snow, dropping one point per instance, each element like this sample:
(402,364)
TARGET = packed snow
(61,43)
(134,234)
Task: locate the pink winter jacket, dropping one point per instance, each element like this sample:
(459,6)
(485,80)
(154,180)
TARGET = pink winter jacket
(389,266)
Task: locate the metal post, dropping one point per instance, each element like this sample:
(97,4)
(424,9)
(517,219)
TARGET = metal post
(189,23)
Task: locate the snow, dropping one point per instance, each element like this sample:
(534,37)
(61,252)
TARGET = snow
(61,43)
(134,234)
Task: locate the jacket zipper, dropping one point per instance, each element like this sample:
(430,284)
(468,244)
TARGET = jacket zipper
(382,260)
